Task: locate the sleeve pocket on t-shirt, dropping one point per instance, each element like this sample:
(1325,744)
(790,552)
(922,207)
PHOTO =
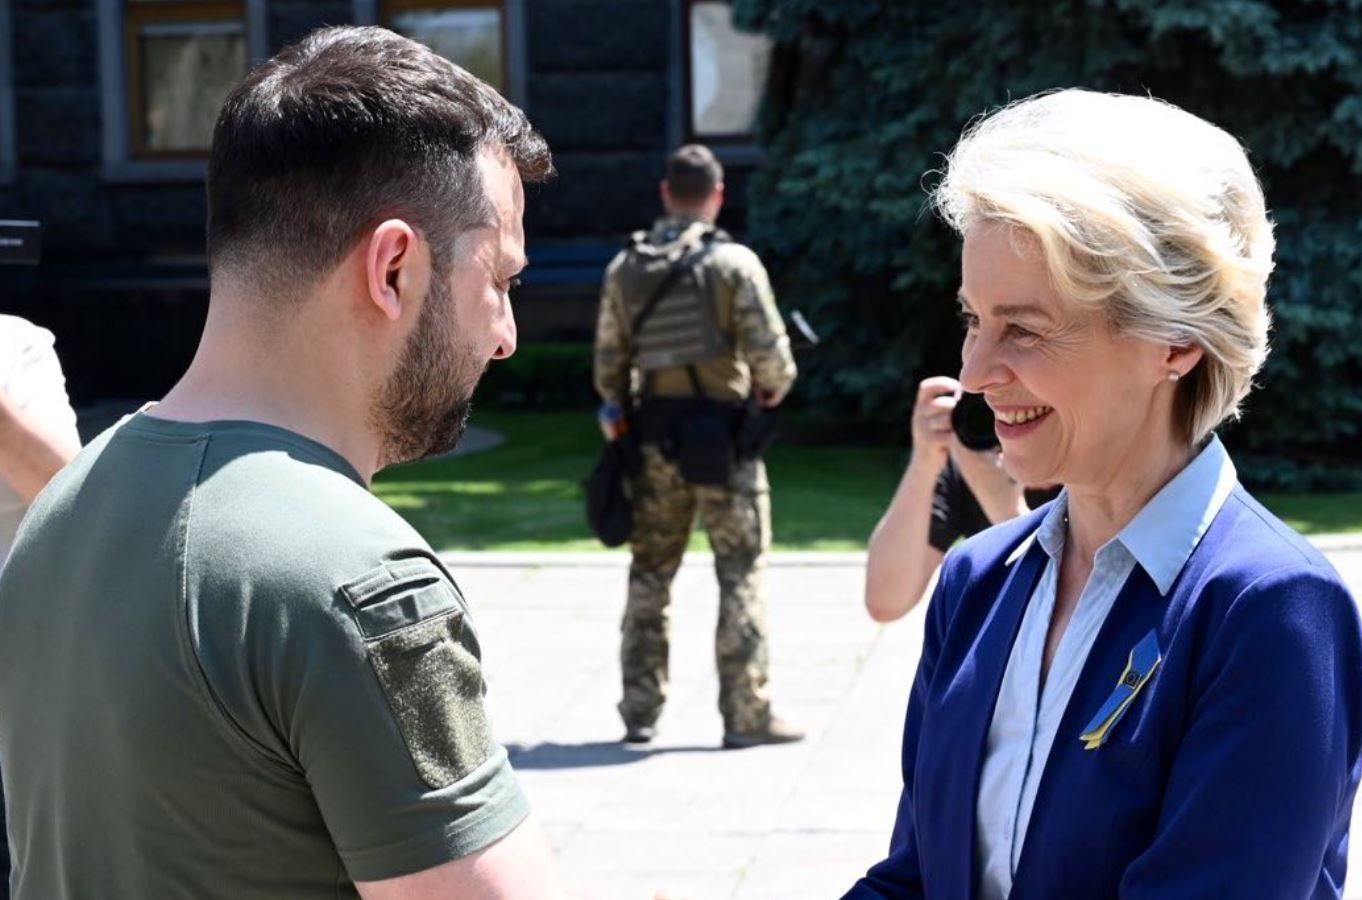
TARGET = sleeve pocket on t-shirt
(398,594)
(411,618)
(434,686)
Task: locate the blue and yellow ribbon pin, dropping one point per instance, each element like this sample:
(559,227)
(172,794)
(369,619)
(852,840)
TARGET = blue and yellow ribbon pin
(1144,660)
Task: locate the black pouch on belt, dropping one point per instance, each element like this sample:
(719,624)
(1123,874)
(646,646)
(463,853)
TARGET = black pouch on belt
(704,443)
(696,433)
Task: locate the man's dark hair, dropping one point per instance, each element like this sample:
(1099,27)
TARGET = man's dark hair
(693,172)
(340,131)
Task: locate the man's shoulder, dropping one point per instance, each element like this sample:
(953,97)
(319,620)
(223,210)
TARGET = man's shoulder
(22,342)
(732,257)
(287,502)
(18,330)
(280,547)
(619,259)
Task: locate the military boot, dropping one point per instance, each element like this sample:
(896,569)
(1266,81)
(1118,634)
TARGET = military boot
(777,731)
(639,734)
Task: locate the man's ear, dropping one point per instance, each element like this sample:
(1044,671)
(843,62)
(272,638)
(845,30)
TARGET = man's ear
(716,200)
(391,266)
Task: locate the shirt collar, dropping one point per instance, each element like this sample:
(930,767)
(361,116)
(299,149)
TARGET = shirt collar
(1164,533)
(670,229)
(1167,529)
(1050,532)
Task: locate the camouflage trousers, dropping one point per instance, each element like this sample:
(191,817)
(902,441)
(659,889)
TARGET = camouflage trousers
(737,518)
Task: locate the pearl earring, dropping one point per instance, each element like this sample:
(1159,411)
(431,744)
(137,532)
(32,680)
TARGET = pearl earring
(1174,376)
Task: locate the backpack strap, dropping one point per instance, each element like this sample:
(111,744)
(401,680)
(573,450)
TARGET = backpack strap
(695,381)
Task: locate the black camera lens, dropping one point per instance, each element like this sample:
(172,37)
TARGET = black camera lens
(973,423)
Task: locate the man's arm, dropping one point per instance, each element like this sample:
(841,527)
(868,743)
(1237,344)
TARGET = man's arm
(37,427)
(31,451)
(760,331)
(612,359)
(520,865)
(394,741)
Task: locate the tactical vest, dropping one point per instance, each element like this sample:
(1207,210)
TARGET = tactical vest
(669,296)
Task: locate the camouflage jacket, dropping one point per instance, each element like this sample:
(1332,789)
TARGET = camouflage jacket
(747,315)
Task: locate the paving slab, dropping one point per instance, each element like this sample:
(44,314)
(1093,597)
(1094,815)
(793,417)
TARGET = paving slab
(681,819)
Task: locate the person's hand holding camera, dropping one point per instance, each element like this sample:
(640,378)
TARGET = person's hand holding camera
(978,457)
(933,435)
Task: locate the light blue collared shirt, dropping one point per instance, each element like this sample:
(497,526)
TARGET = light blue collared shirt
(1160,539)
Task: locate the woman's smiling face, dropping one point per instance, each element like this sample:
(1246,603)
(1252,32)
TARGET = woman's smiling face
(1076,403)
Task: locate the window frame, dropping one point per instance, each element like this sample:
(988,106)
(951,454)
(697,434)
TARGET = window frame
(514,67)
(121,163)
(739,149)
(9,145)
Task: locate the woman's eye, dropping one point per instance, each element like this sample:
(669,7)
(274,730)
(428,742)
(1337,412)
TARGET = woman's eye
(969,319)
(1021,334)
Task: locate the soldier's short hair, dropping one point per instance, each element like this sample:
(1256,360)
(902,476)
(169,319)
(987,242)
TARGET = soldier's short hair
(693,172)
(341,130)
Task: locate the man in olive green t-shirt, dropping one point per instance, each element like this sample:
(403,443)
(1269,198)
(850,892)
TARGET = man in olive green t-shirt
(226,669)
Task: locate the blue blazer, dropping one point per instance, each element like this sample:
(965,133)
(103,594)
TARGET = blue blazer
(1231,775)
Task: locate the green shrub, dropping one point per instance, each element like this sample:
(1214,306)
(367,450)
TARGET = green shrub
(541,377)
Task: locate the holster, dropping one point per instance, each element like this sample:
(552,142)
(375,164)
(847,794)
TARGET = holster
(756,430)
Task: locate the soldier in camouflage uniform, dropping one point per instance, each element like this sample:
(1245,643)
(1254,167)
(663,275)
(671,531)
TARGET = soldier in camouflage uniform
(750,355)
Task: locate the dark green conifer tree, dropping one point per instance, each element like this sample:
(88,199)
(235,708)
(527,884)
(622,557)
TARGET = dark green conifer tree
(866,95)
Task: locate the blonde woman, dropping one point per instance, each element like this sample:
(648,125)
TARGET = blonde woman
(1151,687)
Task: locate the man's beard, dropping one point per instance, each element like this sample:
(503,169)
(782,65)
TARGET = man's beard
(423,408)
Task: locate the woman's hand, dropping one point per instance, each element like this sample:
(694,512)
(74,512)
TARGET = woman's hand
(931,423)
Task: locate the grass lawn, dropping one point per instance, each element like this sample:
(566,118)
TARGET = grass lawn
(1317,513)
(524,495)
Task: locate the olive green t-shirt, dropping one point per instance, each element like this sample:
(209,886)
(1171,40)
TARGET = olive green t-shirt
(228,671)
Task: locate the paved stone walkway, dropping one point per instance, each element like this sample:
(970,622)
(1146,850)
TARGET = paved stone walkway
(680,818)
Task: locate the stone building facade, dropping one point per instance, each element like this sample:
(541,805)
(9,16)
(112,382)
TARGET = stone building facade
(101,124)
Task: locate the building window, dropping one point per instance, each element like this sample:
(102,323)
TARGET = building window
(165,67)
(483,36)
(472,34)
(182,59)
(725,73)
(8,145)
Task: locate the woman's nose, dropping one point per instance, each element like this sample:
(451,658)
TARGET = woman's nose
(979,366)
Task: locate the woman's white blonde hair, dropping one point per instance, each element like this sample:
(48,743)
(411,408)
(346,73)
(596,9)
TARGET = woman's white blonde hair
(1140,208)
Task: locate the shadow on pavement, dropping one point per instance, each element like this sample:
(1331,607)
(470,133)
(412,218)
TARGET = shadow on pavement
(589,755)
